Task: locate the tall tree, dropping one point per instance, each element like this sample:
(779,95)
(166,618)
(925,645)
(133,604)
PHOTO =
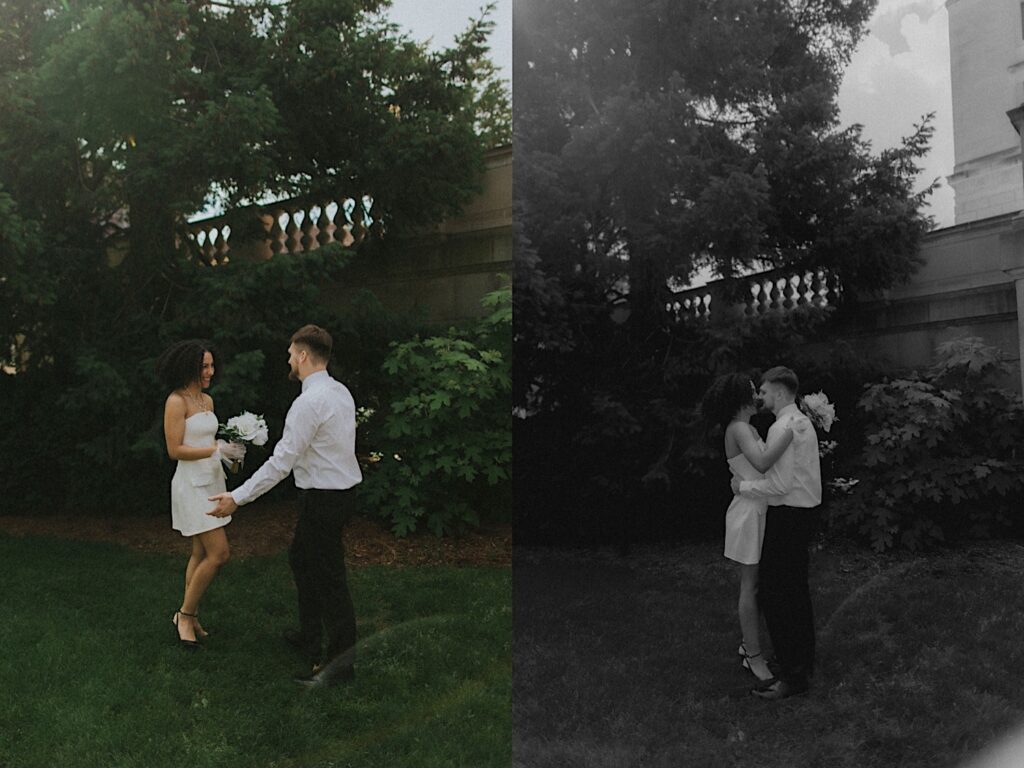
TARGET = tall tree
(134,114)
(655,141)
(660,137)
(121,118)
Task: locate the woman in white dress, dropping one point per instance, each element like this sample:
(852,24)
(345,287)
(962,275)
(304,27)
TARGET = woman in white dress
(731,401)
(190,429)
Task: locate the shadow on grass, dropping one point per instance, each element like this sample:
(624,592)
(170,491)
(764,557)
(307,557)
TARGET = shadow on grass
(94,676)
(632,661)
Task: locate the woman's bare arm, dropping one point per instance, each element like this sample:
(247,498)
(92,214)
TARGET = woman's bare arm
(762,460)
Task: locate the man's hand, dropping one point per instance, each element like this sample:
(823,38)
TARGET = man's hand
(735,485)
(225,505)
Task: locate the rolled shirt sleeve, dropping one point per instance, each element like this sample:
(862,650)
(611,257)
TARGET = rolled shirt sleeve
(795,479)
(300,427)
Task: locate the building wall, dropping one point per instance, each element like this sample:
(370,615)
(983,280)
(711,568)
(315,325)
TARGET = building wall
(971,283)
(987,78)
(972,278)
(965,286)
(446,271)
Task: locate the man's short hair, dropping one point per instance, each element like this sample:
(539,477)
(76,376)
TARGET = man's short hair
(316,340)
(784,376)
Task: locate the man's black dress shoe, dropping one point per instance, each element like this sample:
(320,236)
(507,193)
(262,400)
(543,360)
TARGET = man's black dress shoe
(326,677)
(780,689)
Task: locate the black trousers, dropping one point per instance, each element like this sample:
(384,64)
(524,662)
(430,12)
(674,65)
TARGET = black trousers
(317,559)
(783,591)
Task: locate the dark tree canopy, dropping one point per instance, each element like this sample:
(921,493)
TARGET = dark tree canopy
(119,119)
(134,114)
(659,137)
(657,141)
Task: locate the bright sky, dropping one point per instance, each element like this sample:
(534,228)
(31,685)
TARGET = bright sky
(440,22)
(899,73)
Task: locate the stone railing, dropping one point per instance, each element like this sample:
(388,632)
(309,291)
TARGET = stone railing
(443,268)
(295,226)
(778,289)
(287,226)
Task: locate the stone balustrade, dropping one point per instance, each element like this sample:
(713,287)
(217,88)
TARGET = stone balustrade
(760,293)
(442,269)
(287,226)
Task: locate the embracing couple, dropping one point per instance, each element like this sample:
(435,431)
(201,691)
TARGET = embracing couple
(317,446)
(777,486)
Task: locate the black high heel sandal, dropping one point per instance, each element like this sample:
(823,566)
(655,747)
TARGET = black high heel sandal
(201,634)
(746,665)
(191,645)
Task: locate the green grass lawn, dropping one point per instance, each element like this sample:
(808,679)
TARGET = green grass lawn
(91,674)
(631,661)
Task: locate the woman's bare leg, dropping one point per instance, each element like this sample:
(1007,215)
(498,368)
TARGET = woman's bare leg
(215,552)
(750,621)
(198,553)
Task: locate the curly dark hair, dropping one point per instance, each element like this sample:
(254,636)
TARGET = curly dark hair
(726,395)
(182,363)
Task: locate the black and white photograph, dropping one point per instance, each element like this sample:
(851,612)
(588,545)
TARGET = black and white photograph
(767,376)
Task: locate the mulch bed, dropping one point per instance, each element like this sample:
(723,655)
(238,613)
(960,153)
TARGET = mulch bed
(266,528)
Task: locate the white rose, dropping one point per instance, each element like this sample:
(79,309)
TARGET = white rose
(260,438)
(823,410)
(246,424)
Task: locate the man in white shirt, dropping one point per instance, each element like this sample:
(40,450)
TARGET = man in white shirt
(318,447)
(792,488)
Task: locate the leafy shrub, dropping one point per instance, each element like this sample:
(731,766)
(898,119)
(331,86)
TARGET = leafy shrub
(939,454)
(81,429)
(445,444)
(611,438)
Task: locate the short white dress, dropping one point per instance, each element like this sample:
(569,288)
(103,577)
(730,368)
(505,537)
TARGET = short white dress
(745,518)
(195,481)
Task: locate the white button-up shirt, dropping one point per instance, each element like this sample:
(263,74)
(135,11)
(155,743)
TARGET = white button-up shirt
(795,479)
(318,444)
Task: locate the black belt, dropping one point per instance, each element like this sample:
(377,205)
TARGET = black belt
(320,491)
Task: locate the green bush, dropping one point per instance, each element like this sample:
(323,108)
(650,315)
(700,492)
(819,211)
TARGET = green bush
(939,459)
(81,429)
(611,435)
(444,445)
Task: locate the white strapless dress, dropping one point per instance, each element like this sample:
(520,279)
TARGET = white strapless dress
(195,481)
(745,518)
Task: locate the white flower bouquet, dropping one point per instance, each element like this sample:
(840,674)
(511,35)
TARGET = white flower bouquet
(819,410)
(246,428)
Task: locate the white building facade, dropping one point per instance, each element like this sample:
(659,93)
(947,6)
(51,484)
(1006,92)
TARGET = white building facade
(986,43)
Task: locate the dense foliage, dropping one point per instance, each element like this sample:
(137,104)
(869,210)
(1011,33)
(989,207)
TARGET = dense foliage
(626,455)
(940,454)
(90,438)
(122,119)
(658,139)
(445,444)
(657,143)
(126,118)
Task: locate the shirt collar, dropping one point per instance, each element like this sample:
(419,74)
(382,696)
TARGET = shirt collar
(313,378)
(787,409)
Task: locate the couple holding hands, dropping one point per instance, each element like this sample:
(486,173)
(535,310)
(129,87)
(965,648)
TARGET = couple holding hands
(317,446)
